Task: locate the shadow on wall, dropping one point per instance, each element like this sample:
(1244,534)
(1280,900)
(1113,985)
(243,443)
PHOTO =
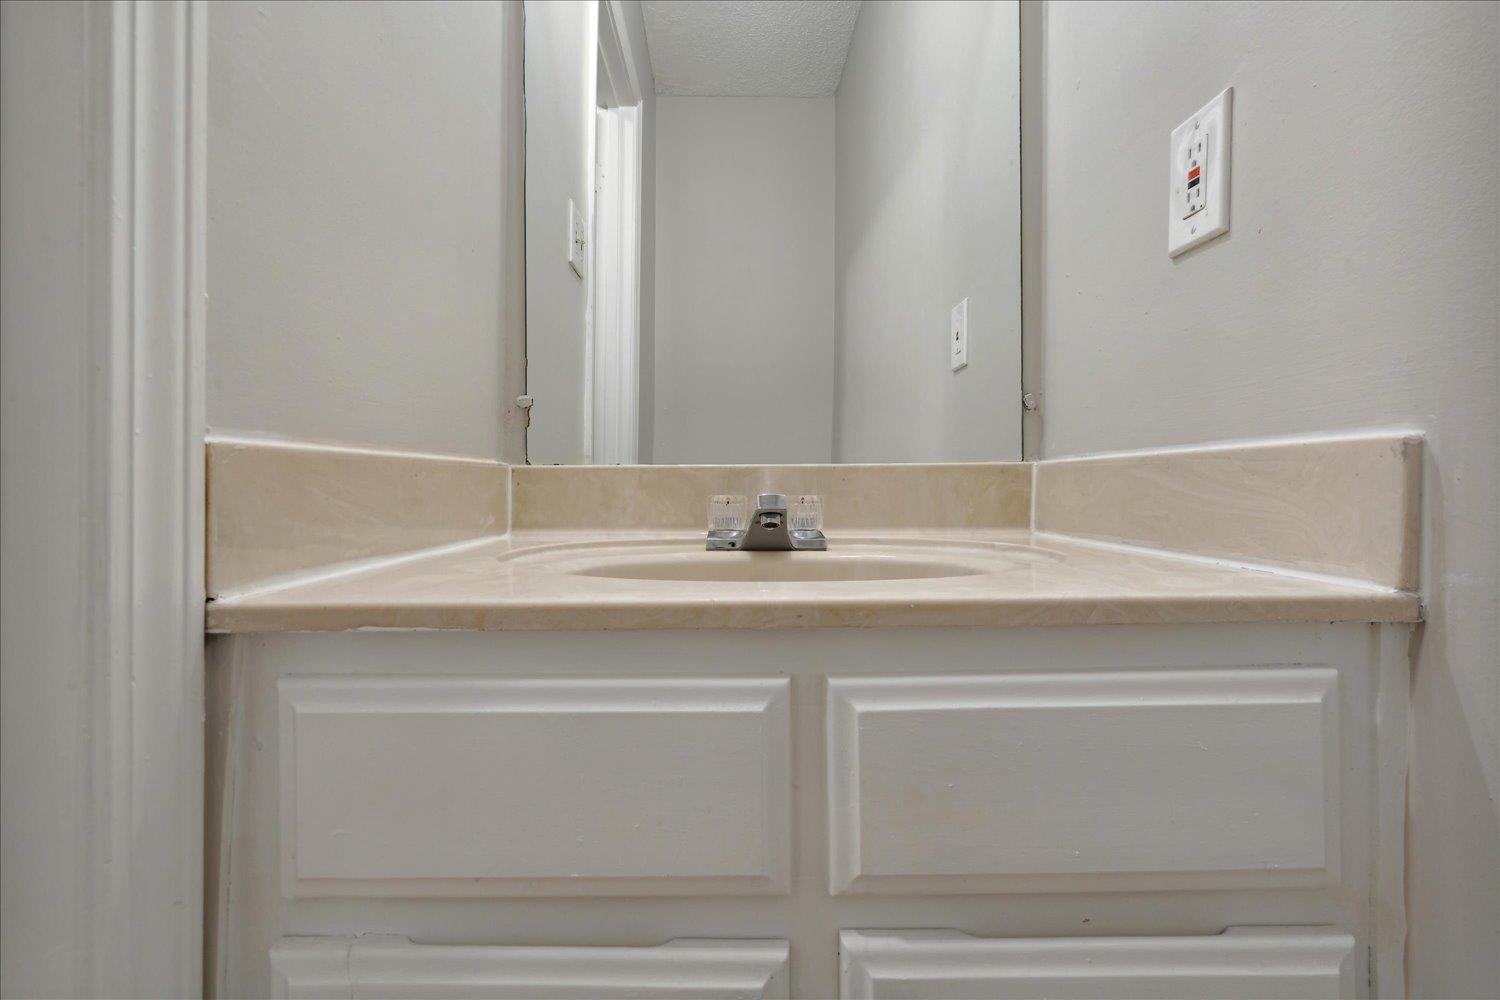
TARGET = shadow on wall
(1446,757)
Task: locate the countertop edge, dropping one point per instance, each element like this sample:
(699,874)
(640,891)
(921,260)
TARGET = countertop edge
(228,617)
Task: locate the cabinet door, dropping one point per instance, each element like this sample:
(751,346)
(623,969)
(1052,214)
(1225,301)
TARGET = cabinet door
(372,968)
(1243,962)
(1062,782)
(544,786)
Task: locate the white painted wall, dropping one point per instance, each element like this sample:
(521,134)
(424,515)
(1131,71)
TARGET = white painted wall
(744,279)
(1357,287)
(364,231)
(561,53)
(44,355)
(929,213)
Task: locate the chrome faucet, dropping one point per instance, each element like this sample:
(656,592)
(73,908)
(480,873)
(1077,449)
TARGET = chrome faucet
(772,527)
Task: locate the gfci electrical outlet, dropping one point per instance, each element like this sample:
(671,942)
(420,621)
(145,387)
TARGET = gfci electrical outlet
(578,241)
(1198,177)
(958,335)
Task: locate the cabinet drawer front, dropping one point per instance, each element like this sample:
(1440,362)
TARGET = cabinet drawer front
(1243,962)
(1083,781)
(477,786)
(368,968)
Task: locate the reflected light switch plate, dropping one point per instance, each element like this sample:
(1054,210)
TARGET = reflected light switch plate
(1198,177)
(958,335)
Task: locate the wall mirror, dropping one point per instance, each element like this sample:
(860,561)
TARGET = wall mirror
(772,232)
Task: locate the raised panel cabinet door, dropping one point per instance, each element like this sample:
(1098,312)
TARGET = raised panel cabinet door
(1241,964)
(1083,781)
(375,968)
(486,786)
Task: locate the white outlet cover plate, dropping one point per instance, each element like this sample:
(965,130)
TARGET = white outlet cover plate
(958,335)
(1213,220)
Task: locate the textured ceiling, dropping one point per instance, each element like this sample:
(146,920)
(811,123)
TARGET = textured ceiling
(749,48)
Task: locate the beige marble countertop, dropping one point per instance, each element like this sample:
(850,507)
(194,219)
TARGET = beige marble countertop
(540,580)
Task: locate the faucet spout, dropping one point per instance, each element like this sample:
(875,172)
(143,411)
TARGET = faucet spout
(769,529)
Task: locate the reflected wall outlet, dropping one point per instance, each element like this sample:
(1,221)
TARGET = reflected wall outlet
(958,335)
(1198,177)
(578,240)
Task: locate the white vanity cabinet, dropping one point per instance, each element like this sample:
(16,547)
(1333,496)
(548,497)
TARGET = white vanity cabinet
(1196,810)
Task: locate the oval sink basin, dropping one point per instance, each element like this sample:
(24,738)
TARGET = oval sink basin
(774,567)
(848,560)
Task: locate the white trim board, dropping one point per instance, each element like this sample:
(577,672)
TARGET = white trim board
(115,841)
(146,806)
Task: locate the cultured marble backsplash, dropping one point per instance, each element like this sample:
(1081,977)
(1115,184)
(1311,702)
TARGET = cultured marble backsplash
(963,495)
(276,508)
(1343,506)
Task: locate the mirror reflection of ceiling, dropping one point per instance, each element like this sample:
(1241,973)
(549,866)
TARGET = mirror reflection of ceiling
(729,48)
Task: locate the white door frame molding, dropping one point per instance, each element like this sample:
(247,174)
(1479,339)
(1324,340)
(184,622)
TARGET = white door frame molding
(145,805)
(616,275)
(122,838)
(613,396)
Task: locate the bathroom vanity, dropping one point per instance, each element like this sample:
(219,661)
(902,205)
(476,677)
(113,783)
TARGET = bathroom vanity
(1114,727)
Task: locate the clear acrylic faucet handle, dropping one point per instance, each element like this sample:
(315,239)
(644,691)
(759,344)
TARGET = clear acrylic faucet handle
(807,513)
(728,512)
